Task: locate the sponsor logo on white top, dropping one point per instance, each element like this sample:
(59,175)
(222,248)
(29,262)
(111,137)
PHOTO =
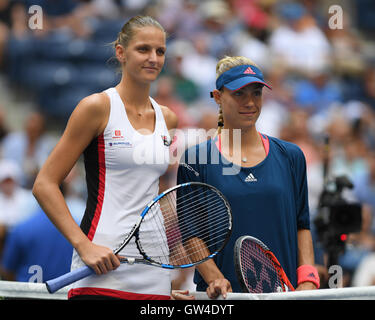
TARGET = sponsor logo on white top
(117,134)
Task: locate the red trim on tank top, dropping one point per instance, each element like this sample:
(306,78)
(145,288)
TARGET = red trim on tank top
(101,188)
(115,294)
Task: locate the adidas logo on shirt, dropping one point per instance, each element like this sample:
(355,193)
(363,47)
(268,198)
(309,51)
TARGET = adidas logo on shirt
(251,178)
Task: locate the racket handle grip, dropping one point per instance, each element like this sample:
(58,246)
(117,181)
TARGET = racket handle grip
(68,278)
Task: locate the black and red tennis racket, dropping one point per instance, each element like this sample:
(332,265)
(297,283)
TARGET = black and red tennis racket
(257,268)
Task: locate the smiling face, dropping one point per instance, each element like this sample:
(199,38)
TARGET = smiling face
(241,108)
(143,57)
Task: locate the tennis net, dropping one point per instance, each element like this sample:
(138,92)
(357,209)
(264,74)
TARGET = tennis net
(30,290)
(357,293)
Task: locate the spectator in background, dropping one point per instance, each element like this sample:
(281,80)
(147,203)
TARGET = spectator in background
(16,203)
(181,18)
(366,126)
(3,126)
(359,247)
(62,15)
(365,272)
(296,130)
(298,43)
(254,13)
(364,189)
(250,46)
(318,92)
(107,9)
(343,159)
(199,66)
(12,22)
(207,118)
(165,96)
(256,18)
(186,89)
(349,159)
(29,148)
(276,105)
(347,48)
(369,87)
(35,243)
(220,27)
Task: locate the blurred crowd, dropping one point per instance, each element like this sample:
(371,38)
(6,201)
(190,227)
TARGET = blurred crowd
(323,83)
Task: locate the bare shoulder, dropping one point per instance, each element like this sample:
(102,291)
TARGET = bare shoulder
(97,103)
(170,117)
(93,111)
(85,123)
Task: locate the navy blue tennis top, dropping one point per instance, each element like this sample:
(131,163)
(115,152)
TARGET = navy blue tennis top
(269,201)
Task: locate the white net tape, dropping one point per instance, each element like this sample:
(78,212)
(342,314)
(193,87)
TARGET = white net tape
(29,290)
(26,290)
(359,293)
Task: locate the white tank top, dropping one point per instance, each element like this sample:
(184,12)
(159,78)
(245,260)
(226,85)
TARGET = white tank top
(123,168)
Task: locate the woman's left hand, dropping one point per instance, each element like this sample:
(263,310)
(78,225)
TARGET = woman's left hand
(306,286)
(181,295)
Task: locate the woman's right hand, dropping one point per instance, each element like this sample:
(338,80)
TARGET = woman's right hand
(99,258)
(218,286)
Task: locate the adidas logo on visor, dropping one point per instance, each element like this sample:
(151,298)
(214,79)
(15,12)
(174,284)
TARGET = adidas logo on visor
(249,71)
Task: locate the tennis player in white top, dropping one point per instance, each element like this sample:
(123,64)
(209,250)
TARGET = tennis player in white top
(124,136)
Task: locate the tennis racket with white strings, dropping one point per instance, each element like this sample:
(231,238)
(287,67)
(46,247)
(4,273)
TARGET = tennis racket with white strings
(182,227)
(257,268)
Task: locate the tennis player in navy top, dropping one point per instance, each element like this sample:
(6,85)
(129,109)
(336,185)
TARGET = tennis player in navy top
(263,178)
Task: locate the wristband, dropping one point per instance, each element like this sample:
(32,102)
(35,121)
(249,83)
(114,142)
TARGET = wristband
(308,273)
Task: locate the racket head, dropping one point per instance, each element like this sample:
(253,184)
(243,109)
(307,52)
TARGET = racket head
(257,269)
(184,226)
